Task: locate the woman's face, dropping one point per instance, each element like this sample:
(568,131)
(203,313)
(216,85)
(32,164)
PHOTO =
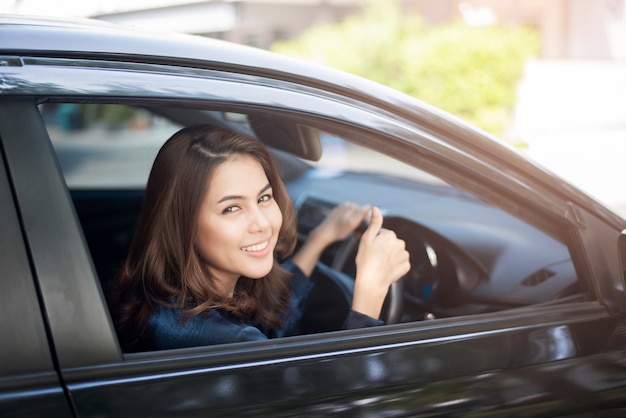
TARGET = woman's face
(238,223)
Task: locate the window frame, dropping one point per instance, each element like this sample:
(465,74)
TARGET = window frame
(380,127)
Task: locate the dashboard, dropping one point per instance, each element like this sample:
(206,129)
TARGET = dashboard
(467,257)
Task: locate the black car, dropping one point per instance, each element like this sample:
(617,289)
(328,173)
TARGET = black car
(514,306)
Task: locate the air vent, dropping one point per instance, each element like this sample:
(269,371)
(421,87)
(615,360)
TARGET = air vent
(537,277)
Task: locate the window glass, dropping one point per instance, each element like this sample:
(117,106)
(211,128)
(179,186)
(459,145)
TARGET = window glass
(341,155)
(467,256)
(105,146)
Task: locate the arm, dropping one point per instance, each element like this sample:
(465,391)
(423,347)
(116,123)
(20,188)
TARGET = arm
(381,260)
(335,227)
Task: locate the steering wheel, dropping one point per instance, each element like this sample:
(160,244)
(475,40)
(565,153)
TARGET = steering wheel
(420,286)
(394,302)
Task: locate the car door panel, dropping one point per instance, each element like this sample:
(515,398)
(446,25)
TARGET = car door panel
(362,371)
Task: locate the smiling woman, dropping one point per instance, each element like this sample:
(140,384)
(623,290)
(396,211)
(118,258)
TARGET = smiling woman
(203,267)
(237,232)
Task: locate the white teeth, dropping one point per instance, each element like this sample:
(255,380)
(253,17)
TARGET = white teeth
(257,247)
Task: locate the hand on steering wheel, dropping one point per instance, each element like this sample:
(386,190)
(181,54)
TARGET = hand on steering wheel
(381,260)
(337,226)
(342,221)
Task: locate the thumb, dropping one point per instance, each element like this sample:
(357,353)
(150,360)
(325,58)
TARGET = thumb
(376,222)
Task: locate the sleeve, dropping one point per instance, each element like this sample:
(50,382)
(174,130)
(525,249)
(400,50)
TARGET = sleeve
(356,320)
(301,288)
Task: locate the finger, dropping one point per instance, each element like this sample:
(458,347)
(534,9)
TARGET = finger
(376,222)
(363,211)
(359,214)
(358,220)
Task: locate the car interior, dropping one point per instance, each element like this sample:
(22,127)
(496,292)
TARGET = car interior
(467,256)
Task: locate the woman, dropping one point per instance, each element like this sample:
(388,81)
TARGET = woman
(203,267)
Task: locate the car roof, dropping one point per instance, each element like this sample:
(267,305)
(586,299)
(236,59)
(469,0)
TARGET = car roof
(87,38)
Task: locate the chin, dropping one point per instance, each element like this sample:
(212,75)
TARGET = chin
(258,273)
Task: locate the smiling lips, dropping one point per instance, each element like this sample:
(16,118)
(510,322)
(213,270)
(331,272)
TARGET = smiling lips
(257,249)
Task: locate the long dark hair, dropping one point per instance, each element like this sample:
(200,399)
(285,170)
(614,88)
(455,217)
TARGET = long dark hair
(163,265)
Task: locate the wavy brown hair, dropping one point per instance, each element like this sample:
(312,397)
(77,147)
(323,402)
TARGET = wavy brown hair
(163,264)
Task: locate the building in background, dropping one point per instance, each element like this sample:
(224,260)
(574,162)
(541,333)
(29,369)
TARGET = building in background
(570,29)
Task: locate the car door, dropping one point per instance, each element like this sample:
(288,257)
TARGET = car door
(562,357)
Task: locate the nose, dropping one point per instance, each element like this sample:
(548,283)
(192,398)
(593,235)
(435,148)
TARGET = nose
(258,221)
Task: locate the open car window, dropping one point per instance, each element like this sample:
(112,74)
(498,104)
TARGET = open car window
(468,257)
(105,146)
(340,155)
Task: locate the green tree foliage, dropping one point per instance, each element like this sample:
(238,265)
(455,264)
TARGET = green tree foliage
(471,72)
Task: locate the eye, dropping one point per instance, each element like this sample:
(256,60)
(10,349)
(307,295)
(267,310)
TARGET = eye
(231,209)
(265,198)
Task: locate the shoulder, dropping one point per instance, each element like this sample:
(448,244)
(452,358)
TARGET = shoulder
(169,329)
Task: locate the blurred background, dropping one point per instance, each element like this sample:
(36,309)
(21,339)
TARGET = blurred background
(546,77)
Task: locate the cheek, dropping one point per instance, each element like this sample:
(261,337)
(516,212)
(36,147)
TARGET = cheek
(277,218)
(212,236)
(203,242)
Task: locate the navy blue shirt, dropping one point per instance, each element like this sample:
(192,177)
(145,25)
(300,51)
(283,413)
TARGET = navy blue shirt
(167,330)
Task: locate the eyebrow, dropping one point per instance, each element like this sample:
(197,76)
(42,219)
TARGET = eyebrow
(235,197)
